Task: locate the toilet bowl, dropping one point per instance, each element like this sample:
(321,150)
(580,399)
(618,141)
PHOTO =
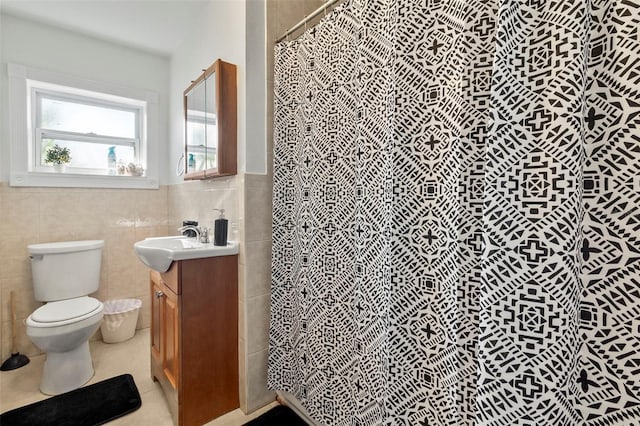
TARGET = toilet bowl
(62,330)
(64,274)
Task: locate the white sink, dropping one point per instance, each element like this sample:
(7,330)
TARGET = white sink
(158,253)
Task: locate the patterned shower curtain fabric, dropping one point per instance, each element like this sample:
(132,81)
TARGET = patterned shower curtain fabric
(455,214)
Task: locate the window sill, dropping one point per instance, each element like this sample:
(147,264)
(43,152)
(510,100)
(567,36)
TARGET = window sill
(69,180)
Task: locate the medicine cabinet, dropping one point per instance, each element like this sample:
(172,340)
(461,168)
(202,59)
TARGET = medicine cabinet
(210,108)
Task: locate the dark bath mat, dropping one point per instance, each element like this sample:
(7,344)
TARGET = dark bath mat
(278,416)
(95,404)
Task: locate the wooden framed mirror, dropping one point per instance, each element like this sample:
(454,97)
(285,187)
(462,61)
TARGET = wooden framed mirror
(211,125)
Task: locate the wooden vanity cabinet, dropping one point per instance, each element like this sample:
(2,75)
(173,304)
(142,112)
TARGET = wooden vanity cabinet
(194,337)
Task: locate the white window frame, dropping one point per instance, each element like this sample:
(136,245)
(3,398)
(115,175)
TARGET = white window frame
(39,90)
(25,169)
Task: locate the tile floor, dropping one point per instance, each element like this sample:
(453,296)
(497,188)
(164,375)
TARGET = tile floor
(20,387)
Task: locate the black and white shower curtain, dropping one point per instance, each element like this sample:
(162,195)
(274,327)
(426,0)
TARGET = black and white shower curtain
(456,214)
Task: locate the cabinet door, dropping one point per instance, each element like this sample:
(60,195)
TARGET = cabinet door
(170,336)
(157,309)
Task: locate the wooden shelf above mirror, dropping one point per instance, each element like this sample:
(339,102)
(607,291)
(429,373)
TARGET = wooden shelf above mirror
(211,123)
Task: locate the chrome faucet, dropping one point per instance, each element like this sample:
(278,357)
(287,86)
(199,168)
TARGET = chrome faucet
(190,228)
(202,235)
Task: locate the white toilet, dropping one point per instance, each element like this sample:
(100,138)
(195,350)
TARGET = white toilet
(64,274)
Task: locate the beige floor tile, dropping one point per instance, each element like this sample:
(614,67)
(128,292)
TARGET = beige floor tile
(130,357)
(237,417)
(21,387)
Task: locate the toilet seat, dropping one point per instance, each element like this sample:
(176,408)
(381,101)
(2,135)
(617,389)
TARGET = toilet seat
(62,312)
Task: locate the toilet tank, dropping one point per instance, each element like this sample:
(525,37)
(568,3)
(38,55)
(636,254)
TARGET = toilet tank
(66,269)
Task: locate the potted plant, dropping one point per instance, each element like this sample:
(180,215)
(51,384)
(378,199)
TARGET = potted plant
(58,156)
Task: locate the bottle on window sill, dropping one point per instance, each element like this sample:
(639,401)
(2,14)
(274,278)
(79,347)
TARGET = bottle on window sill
(111,160)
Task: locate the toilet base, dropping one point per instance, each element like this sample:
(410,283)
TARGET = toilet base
(66,371)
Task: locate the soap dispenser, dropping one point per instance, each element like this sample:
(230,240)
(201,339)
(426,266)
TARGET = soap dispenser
(220,227)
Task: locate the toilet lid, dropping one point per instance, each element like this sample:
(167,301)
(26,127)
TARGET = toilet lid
(65,309)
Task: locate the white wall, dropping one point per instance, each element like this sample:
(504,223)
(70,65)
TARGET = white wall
(256,144)
(40,46)
(219,33)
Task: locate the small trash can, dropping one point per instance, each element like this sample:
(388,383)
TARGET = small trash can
(120,318)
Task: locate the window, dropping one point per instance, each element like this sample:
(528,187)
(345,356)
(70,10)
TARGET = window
(94,121)
(89,126)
